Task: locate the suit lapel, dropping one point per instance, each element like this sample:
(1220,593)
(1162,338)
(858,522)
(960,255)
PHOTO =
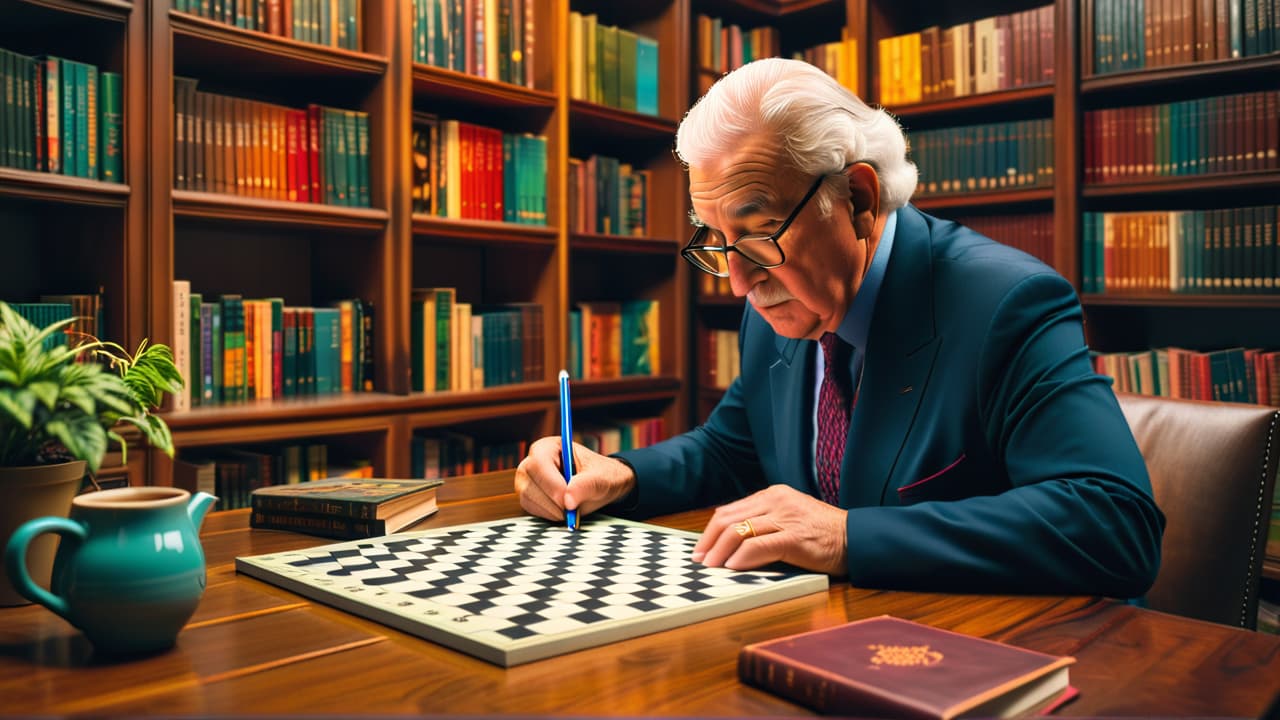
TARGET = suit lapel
(789,390)
(901,351)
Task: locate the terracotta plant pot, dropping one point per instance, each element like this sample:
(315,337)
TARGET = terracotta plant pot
(27,493)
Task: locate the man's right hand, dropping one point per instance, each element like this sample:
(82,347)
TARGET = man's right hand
(598,481)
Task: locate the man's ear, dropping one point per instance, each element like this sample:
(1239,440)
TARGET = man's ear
(864,196)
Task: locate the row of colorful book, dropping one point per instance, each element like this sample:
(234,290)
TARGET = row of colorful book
(235,349)
(1244,375)
(838,58)
(1031,233)
(609,339)
(60,116)
(233,473)
(1183,251)
(611,436)
(612,66)
(471,172)
(1125,35)
(335,23)
(722,46)
(608,196)
(455,346)
(236,146)
(723,359)
(976,158)
(492,39)
(452,454)
(1225,134)
(994,53)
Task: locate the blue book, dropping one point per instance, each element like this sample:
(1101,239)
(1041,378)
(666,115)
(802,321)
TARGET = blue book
(646,75)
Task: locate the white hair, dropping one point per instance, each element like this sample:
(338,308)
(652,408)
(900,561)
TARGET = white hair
(823,126)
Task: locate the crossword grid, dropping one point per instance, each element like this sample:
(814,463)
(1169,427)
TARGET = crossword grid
(510,591)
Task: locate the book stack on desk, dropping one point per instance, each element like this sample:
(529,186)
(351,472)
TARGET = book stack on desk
(344,508)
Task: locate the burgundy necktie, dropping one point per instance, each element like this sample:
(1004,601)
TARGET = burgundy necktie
(835,403)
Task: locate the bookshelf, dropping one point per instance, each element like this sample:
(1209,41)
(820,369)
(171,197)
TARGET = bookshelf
(131,240)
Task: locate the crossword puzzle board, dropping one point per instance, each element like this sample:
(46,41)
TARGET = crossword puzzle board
(516,590)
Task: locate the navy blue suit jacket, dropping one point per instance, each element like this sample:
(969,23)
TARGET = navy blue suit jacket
(984,453)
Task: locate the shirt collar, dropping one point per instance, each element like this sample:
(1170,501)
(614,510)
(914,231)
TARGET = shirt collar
(856,326)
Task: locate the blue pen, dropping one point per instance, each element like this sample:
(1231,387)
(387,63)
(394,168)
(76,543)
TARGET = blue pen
(566,444)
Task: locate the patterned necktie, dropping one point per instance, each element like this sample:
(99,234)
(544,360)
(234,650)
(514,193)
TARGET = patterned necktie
(835,403)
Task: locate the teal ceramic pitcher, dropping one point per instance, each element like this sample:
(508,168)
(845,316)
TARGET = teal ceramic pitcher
(129,570)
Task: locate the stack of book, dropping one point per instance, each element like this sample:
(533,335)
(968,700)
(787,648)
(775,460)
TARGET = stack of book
(344,508)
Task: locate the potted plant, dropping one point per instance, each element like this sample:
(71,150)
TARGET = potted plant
(58,415)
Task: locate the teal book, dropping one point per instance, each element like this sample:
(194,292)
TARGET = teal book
(646,75)
(111,127)
(328,342)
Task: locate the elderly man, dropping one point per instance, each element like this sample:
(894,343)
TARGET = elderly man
(916,408)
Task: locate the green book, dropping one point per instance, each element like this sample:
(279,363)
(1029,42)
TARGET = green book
(67,94)
(111,127)
(626,69)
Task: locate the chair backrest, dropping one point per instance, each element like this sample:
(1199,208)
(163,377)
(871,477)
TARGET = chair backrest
(1213,468)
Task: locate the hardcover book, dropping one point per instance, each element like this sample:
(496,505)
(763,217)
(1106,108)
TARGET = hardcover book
(344,507)
(889,667)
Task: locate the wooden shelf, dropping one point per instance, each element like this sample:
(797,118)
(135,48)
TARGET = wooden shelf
(283,410)
(113,10)
(595,393)
(622,243)
(1187,184)
(441,84)
(619,125)
(204,42)
(984,201)
(1265,66)
(53,188)
(349,405)
(765,9)
(1180,301)
(1002,98)
(234,208)
(1271,568)
(487,231)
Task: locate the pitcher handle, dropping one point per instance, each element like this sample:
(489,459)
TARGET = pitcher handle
(16,559)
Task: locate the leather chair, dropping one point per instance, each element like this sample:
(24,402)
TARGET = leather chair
(1213,470)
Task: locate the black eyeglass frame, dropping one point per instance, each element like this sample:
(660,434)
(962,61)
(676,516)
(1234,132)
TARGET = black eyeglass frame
(694,244)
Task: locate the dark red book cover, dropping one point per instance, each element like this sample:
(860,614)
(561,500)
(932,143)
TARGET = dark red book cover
(889,667)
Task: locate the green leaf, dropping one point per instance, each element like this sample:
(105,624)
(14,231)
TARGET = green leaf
(46,392)
(18,406)
(82,436)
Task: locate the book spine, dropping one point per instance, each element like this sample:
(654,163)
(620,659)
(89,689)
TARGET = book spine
(316,506)
(816,690)
(336,527)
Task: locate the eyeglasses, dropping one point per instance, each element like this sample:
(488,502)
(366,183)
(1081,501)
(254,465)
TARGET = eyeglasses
(761,250)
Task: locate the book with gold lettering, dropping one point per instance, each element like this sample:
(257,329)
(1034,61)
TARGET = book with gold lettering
(889,667)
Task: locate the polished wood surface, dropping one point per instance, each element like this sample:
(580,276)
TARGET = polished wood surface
(255,649)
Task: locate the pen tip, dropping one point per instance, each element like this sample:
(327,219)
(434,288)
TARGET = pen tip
(564,375)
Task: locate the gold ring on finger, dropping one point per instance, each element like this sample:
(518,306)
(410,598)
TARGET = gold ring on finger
(744,529)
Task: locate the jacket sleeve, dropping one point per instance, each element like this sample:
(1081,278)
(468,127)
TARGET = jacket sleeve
(712,464)
(1079,517)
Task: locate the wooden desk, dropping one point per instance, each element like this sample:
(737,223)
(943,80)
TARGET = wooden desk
(253,648)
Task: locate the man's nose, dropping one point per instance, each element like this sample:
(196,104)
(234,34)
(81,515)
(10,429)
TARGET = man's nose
(743,274)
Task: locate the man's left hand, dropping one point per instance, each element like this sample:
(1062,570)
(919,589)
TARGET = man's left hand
(778,523)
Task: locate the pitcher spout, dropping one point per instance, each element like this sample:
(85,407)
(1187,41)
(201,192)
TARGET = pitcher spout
(199,506)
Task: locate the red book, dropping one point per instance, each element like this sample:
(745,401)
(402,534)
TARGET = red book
(889,667)
(313,154)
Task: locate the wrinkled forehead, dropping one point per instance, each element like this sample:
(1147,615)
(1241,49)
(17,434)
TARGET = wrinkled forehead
(755,178)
